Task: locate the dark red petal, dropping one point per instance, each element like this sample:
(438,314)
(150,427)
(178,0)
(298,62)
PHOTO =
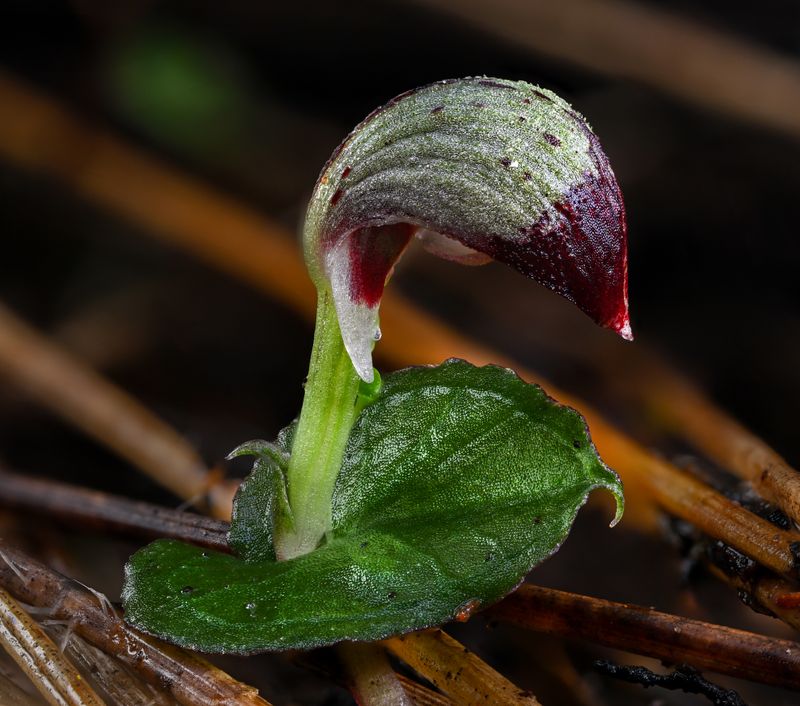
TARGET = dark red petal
(373,253)
(580,249)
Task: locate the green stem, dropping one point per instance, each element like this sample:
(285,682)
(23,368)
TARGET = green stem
(330,408)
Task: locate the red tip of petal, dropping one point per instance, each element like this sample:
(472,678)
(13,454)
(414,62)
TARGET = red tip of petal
(579,249)
(373,254)
(623,328)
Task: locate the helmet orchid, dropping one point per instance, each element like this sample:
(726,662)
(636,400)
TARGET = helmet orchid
(398,505)
(479,169)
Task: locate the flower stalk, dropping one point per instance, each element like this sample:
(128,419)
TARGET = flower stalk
(478,169)
(330,408)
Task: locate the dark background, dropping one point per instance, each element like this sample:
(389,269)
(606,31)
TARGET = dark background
(251,97)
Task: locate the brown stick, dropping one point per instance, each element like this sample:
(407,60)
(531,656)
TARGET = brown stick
(648,632)
(331,669)
(422,695)
(766,593)
(372,679)
(99,408)
(120,686)
(681,57)
(31,648)
(682,407)
(459,673)
(189,679)
(36,133)
(103,510)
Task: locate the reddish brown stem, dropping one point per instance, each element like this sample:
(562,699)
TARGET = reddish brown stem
(90,402)
(649,632)
(102,510)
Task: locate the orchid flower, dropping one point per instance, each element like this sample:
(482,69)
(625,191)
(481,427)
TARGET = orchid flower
(397,506)
(478,169)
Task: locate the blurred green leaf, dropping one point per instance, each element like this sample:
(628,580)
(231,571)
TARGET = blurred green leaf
(179,89)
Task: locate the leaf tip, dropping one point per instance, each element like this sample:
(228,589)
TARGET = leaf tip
(619,498)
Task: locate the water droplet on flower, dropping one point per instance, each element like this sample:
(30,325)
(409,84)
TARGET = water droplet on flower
(377,335)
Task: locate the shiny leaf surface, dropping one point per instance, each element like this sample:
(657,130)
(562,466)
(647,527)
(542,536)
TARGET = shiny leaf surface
(456,482)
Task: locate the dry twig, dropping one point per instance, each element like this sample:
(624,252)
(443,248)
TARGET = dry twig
(459,673)
(100,409)
(120,686)
(189,679)
(649,632)
(372,679)
(36,654)
(688,412)
(102,510)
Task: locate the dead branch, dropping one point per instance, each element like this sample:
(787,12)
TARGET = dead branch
(189,679)
(100,409)
(44,664)
(12,695)
(422,695)
(121,687)
(96,509)
(372,679)
(676,55)
(645,631)
(459,673)
(679,405)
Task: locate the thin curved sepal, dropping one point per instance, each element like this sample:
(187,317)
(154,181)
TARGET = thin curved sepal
(506,169)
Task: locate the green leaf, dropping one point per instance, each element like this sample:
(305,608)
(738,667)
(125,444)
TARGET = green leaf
(261,501)
(456,482)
